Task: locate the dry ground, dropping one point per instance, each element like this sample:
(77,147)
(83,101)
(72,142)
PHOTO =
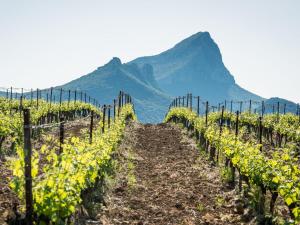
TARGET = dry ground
(163,179)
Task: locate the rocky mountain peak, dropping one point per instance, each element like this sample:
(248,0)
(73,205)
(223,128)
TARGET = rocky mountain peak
(114,62)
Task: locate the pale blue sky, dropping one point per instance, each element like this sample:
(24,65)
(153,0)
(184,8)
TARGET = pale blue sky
(47,43)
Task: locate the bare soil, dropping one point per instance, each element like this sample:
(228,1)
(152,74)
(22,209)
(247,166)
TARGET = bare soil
(8,200)
(163,179)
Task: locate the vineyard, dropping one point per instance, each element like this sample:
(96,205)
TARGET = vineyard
(73,161)
(262,150)
(48,173)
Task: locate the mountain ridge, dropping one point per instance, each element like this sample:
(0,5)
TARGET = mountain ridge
(105,82)
(193,65)
(193,61)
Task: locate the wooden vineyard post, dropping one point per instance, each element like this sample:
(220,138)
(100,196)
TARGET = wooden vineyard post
(108,117)
(21,103)
(278,110)
(115,110)
(60,97)
(69,97)
(75,96)
(260,132)
(183,97)
(31,96)
(179,99)
(221,129)
(27,159)
(61,134)
(221,120)
(225,105)
(237,124)
(84,97)
(91,127)
(198,105)
(37,98)
(250,106)
(122,99)
(10,101)
(103,119)
(262,108)
(119,103)
(284,108)
(11,94)
(236,135)
(231,164)
(231,106)
(51,92)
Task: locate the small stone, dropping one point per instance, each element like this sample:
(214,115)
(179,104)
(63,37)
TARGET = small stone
(179,205)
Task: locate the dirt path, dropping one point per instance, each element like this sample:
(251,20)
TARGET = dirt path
(163,179)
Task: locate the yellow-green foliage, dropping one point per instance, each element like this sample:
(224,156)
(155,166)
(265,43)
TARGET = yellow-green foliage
(11,121)
(279,174)
(56,192)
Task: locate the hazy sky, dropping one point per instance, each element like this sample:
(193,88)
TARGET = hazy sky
(47,43)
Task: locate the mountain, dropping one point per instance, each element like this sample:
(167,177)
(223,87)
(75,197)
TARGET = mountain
(195,65)
(271,105)
(105,82)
